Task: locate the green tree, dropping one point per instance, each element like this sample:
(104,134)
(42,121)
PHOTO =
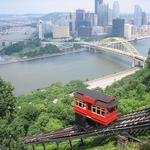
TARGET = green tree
(17,47)
(29,112)
(141,88)
(7,99)
(147,82)
(148,60)
(74,85)
(11,131)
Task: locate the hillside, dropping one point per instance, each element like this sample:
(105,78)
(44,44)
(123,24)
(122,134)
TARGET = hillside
(50,109)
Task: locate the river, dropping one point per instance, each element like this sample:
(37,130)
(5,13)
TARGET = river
(30,75)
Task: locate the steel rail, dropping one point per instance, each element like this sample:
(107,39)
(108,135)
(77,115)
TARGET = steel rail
(132,121)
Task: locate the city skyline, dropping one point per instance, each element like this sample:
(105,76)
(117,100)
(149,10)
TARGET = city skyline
(47,6)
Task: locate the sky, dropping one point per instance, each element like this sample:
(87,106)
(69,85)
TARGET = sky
(47,6)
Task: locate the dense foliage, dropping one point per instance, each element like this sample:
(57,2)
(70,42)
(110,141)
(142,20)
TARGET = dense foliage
(30,48)
(11,132)
(15,48)
(49,109)
(148,60)
(41,111)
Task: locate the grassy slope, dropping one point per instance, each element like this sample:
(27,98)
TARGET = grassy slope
(132,93)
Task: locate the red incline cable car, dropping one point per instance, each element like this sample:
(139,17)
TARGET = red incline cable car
(91,107)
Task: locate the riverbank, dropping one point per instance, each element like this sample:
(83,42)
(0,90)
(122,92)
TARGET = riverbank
(17,59)
(108,80)
(40,57)
(36,74)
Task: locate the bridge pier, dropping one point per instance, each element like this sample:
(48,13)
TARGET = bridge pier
(137,63)
(92,50)
(133,63)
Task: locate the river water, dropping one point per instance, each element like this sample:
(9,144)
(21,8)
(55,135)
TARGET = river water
(30,75)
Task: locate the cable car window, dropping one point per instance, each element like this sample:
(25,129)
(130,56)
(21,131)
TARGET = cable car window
(89,106)
(84,105)
(94,109)
(80,104)
(103,112)
(98,111)
(77,102)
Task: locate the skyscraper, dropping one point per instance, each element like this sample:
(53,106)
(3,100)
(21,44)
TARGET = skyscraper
(110,18)
(128,31)
(103,15)
(41,30)
(91,19)
(116,10)
(71,20)
(80,17)
(144,18)
(118,27)
(97,5)
(137,15)
(60,32)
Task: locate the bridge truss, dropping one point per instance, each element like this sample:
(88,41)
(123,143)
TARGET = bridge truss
(121,44)
(118,46)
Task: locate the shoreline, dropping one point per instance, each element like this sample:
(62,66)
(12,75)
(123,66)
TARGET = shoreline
(56,54)
(109,79)
(41,57)
(104,81)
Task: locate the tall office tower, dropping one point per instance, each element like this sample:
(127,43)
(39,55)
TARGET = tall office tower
(47,26)
(41,30)
(97,5)
(110,17)
(103,15)
(91,19)
(137,15)
(116,10)
(144,18)
(71,20)
(60,32)
(80,18)
(118,27)
(95,20)
(128,31)
(84,31)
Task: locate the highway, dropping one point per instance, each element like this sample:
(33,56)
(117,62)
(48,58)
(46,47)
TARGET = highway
(108,80)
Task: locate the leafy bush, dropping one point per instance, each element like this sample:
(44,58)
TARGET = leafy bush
(15,48)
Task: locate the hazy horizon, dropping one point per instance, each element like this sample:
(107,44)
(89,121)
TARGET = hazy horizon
(48,6)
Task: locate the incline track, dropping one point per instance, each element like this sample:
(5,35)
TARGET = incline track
(133,121)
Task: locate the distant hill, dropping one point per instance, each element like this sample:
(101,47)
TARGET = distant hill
(54,17)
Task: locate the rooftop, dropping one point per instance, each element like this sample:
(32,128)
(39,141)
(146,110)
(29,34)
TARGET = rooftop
(100,99)
(94,95)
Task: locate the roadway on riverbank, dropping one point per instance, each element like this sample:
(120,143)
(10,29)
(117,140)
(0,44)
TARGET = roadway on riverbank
(139,38)
(108,80)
